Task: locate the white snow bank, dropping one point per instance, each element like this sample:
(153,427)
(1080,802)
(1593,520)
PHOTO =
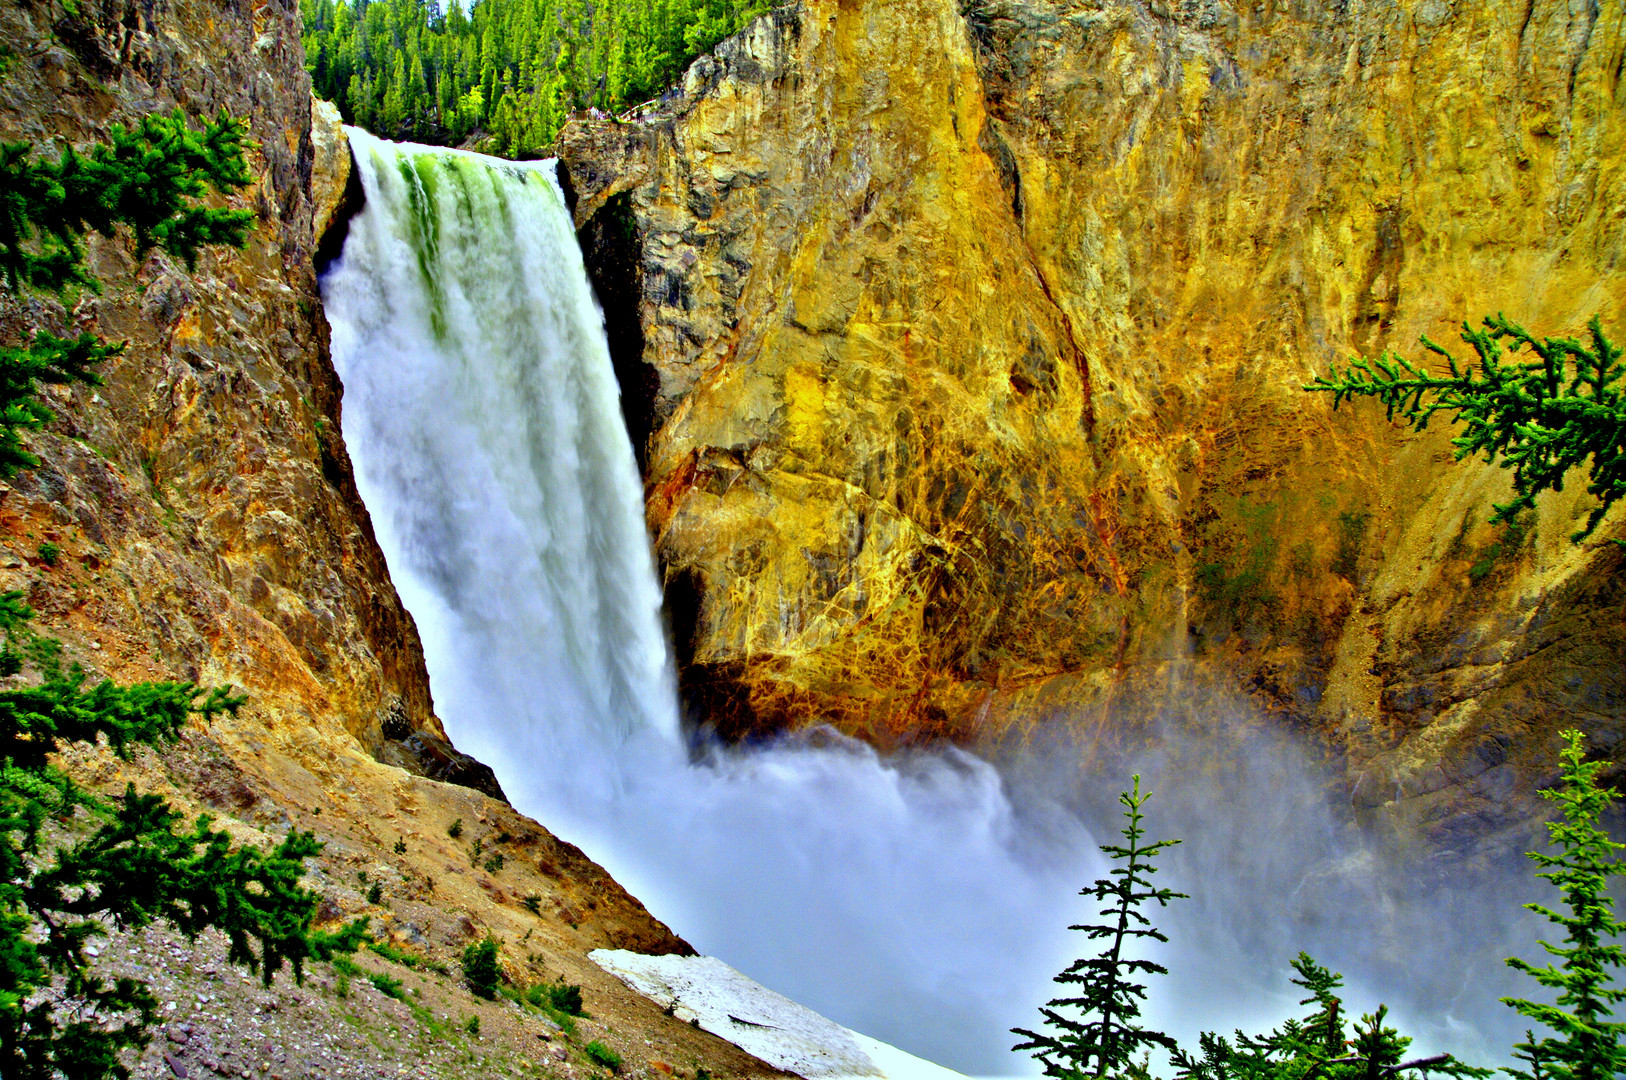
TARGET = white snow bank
(764,1024)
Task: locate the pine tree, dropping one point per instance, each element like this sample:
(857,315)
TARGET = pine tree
(128,865)
(488,94)
(357,106)
(551,58)
(481,972)
(133,867)
(1318,1046)
(1587,1045)
(1105,1036)
(1541,418)
(394,111)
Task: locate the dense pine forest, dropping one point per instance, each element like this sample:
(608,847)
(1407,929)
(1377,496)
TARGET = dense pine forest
(505,74)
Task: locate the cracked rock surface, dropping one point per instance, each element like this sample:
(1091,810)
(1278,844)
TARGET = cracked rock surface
(970,339)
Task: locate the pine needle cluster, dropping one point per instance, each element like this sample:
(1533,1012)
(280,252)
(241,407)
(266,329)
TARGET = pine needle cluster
(147,178)
(74,865)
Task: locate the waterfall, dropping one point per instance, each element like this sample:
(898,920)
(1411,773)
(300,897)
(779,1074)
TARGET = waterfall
(482,403)
(904,896)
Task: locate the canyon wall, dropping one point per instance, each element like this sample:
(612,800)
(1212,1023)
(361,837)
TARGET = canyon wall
(969,342)
(207,529)
(202,497)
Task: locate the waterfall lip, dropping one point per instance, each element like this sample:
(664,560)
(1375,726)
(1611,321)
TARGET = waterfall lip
(547,166)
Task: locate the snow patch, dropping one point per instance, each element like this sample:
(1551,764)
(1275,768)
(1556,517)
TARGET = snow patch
(766,1025)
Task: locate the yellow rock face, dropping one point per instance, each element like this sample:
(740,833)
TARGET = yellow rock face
(887,461)
(980,341)
(1227,201)
(330,166)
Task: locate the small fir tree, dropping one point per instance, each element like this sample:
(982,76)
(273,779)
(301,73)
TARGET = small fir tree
(1586,1044)
(146,177)
(1100,1033)
(1318,1046)
(1542,417)
(128,867)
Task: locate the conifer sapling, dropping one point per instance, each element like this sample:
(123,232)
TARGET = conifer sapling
(145,178)
(1099,1034)
(1319,1046)
(1586,1044)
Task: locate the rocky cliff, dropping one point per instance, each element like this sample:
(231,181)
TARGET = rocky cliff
(208,529)
(202,498)
(969,339)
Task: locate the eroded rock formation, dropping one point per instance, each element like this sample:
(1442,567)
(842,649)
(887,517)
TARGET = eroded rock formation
(978,333)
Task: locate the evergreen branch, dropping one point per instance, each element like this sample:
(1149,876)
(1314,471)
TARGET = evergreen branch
(47,360)
(1540,418)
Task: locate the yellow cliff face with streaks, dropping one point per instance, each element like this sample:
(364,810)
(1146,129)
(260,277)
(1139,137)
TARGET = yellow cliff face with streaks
(877,455)
(972,339)
(1227,198)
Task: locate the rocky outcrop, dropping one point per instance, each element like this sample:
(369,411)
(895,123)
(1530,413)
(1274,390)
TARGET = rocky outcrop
(980,330)
(1269,191)
(202,497)
(874,443)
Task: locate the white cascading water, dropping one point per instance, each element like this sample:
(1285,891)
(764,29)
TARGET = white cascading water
(904,897)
